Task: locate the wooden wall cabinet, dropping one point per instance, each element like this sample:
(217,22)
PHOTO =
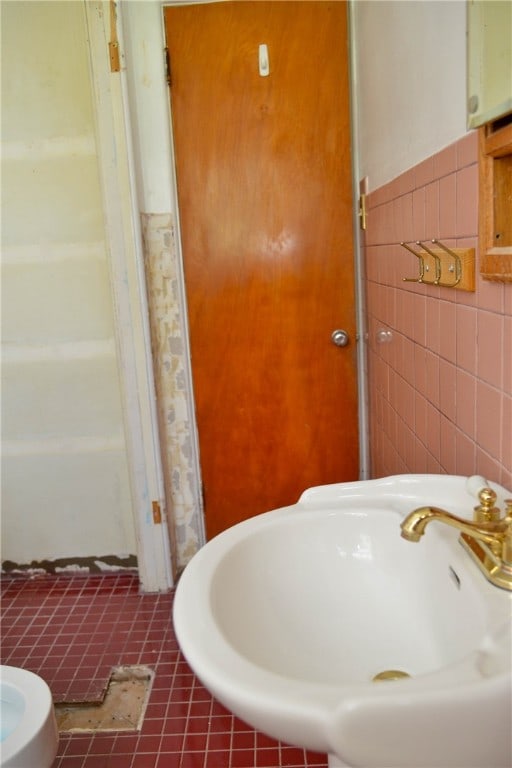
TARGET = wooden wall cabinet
(495,203)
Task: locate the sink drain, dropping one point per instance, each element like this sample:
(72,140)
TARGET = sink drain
(390,674)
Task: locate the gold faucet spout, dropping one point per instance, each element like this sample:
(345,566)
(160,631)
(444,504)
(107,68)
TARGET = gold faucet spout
(488,539)
(413,527)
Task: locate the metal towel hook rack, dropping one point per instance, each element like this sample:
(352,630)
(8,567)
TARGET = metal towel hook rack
(446,262)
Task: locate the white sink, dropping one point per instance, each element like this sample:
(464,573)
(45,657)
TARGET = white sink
(287,617)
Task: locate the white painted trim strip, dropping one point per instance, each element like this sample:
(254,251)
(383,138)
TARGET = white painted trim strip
(130,302)
(364,447)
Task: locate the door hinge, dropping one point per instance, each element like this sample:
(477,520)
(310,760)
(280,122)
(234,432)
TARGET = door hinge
(362,211)
(113,46)
(113,53)
(167,67)
(157,512)
(363,192)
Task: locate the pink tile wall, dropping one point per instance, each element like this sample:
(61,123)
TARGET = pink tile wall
(440,390)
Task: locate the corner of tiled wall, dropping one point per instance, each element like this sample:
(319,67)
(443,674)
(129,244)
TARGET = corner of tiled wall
(440,378)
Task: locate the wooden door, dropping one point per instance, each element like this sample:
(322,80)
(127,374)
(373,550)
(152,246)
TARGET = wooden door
(265,205)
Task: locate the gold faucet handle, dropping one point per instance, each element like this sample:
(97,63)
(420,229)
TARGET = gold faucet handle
(506,552)
(486,511)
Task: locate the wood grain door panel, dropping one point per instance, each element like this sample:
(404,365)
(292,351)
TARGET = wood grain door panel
(265,203)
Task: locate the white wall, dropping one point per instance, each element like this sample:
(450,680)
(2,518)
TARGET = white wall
(411,82)
(65,485)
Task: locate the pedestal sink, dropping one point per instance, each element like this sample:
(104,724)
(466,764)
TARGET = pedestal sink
(292,619)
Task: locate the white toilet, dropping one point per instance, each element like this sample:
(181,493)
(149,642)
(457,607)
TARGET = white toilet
(29,735)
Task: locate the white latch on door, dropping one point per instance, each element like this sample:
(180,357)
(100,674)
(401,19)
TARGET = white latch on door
(263,61)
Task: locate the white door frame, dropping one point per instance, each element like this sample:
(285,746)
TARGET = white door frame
(144,37)
(361,323)
(122,225)
(140,101)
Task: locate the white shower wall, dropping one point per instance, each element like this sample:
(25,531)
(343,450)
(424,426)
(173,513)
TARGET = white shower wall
(65,484)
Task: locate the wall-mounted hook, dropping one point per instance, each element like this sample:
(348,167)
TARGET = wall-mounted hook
(455,268)
(457,263)
(263,60)
(418,279)
(437,262)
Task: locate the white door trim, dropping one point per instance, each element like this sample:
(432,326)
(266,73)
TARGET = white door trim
(124,245)
(148,92)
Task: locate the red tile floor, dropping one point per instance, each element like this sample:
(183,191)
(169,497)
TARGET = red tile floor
(71,630)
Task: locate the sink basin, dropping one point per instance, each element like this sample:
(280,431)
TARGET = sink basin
(288,617)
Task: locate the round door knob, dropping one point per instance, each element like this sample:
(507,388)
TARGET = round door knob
(340,338)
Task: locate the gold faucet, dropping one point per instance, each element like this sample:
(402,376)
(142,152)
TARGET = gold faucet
(488,539)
